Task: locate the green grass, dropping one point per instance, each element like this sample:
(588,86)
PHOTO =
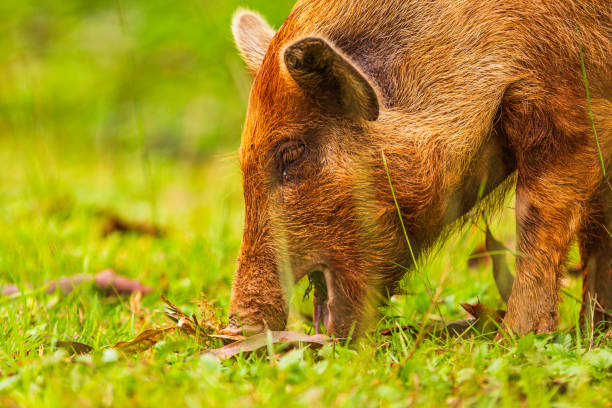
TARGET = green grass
(83,130)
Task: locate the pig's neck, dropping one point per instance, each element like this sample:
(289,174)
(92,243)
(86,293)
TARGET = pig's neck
(439,171)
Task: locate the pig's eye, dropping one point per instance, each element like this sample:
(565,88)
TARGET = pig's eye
(289,156)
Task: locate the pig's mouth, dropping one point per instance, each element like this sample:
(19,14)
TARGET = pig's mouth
(319,282)
(320,298)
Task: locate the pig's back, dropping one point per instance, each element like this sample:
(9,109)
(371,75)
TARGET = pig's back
(421,52)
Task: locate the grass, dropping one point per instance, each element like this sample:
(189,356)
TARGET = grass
(70,145)
(52,228)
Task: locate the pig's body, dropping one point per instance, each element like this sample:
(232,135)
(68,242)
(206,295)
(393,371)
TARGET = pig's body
(458,95)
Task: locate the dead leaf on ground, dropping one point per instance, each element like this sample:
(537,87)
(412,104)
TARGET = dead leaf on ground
(65,284)
(108,281)
(263,339)
(112,282)
(187,324)
(200,329)
(12,289)
(68,284)
(73,347)
(144,341)
(487,319)
(209,314)
(115,223)
(227,338)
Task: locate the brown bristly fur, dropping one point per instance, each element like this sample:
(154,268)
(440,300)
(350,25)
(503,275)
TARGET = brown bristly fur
(465,95)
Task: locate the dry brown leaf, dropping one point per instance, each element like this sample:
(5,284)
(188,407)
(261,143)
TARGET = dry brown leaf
(144,341)
(108,281)
(116,224)
(263,339)
(487,319)
(187,324)
(227,338)
(65,284)
(12,289)
(190,325)
(73,347)
(112,282)
(68,284)
(209,316)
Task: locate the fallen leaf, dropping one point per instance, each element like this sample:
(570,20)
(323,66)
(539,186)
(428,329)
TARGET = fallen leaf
(487,319)
(12,289)
(116,224)
(107,280)
(144,341)
(263,339)
(209,315)
(73,347)
(501,272)
(68,284)
(111,281)
(227,338)
(187,324)
(201,329)
(65,284)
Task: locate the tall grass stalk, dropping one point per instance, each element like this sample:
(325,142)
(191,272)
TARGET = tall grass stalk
(590,109)
(421,275)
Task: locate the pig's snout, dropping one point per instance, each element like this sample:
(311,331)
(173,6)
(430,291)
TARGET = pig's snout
(258,300)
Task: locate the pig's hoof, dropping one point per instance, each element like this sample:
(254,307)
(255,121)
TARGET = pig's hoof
(528,323)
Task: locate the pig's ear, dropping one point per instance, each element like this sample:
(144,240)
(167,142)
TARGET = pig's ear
(331,78)
(252,36)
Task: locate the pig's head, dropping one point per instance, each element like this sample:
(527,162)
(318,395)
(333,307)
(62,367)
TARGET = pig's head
(309,207)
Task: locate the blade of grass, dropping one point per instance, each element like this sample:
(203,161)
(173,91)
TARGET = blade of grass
(422,276)
(588,97)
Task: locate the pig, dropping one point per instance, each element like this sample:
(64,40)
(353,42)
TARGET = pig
(375,127)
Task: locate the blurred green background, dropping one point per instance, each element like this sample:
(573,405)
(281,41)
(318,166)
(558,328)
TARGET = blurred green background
(123,76)
(130,107)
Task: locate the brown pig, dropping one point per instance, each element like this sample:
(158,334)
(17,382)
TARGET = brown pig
(464,100)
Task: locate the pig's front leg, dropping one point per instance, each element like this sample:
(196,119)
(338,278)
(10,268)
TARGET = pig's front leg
(549,211)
